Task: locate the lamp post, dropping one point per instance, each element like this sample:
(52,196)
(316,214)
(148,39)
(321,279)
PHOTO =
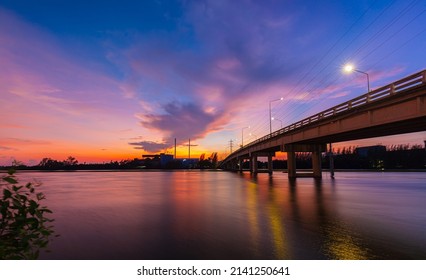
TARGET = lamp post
(350,68)
(242,135)
(270,113)
(275,119)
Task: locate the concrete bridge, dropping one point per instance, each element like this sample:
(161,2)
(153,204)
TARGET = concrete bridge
(393,109)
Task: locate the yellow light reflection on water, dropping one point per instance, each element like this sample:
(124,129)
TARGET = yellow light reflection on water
(277,228)
(339,240)
(274,220)
(252,213)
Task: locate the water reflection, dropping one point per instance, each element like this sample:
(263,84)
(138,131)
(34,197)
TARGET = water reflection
(281,249)
(309,214)
(253,220)
(310,208)
(220,215)
(339,241)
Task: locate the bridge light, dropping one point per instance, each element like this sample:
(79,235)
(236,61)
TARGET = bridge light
(349,68)
(275,119)
(270,113)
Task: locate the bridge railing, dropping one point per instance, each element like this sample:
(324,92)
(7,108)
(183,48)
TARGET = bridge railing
(406,83)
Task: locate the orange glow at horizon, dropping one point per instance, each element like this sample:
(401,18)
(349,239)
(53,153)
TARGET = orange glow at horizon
(32,152)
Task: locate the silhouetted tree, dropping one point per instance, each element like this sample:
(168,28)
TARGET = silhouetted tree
(70,161)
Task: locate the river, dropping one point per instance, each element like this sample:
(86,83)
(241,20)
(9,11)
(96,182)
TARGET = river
(223,215)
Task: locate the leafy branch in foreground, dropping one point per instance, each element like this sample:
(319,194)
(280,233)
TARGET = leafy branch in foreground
(24,227)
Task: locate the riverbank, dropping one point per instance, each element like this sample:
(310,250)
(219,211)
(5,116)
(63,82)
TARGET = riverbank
(211,170)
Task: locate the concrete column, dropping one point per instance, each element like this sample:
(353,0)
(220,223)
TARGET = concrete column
(241,161)
(291,164)
(270,167)
(316,164)
(254,164)
(331,158)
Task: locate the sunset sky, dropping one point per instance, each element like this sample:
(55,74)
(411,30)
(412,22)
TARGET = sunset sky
(110,80)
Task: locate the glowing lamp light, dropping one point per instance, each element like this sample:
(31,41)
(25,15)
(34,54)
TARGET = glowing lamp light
(349,68)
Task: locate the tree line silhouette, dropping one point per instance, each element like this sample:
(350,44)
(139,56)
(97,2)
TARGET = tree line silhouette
(71,163)
(352,157)
(378,157)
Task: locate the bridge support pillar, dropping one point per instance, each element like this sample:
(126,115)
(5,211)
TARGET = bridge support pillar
(291,164)
(315,149)
(331,160)
(270,167)
(235,165)
(316,164)
(240,162)
(253,164)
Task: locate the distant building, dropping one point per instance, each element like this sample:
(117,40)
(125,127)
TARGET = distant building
(161,159)
(189,163)
(167,161)
(370,151)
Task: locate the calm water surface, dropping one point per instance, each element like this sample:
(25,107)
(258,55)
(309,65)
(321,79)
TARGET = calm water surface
(221,215)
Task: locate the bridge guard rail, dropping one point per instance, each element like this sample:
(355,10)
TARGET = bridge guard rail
(412,81)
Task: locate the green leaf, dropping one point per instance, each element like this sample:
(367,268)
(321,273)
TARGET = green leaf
(33,222)
(10,180)
(11,172)
(15,188)
(16,203)
(7,194)
(24,228)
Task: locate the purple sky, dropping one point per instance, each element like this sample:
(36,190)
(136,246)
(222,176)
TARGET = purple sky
(103,80)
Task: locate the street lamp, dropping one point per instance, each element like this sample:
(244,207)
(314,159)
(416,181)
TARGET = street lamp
(349,68)
(270,114)
(275,119)
(242,135)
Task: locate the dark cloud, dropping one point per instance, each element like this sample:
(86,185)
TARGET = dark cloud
(149,146)
(181,121)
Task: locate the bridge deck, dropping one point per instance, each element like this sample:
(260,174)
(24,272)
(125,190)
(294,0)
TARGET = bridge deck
(396,108)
